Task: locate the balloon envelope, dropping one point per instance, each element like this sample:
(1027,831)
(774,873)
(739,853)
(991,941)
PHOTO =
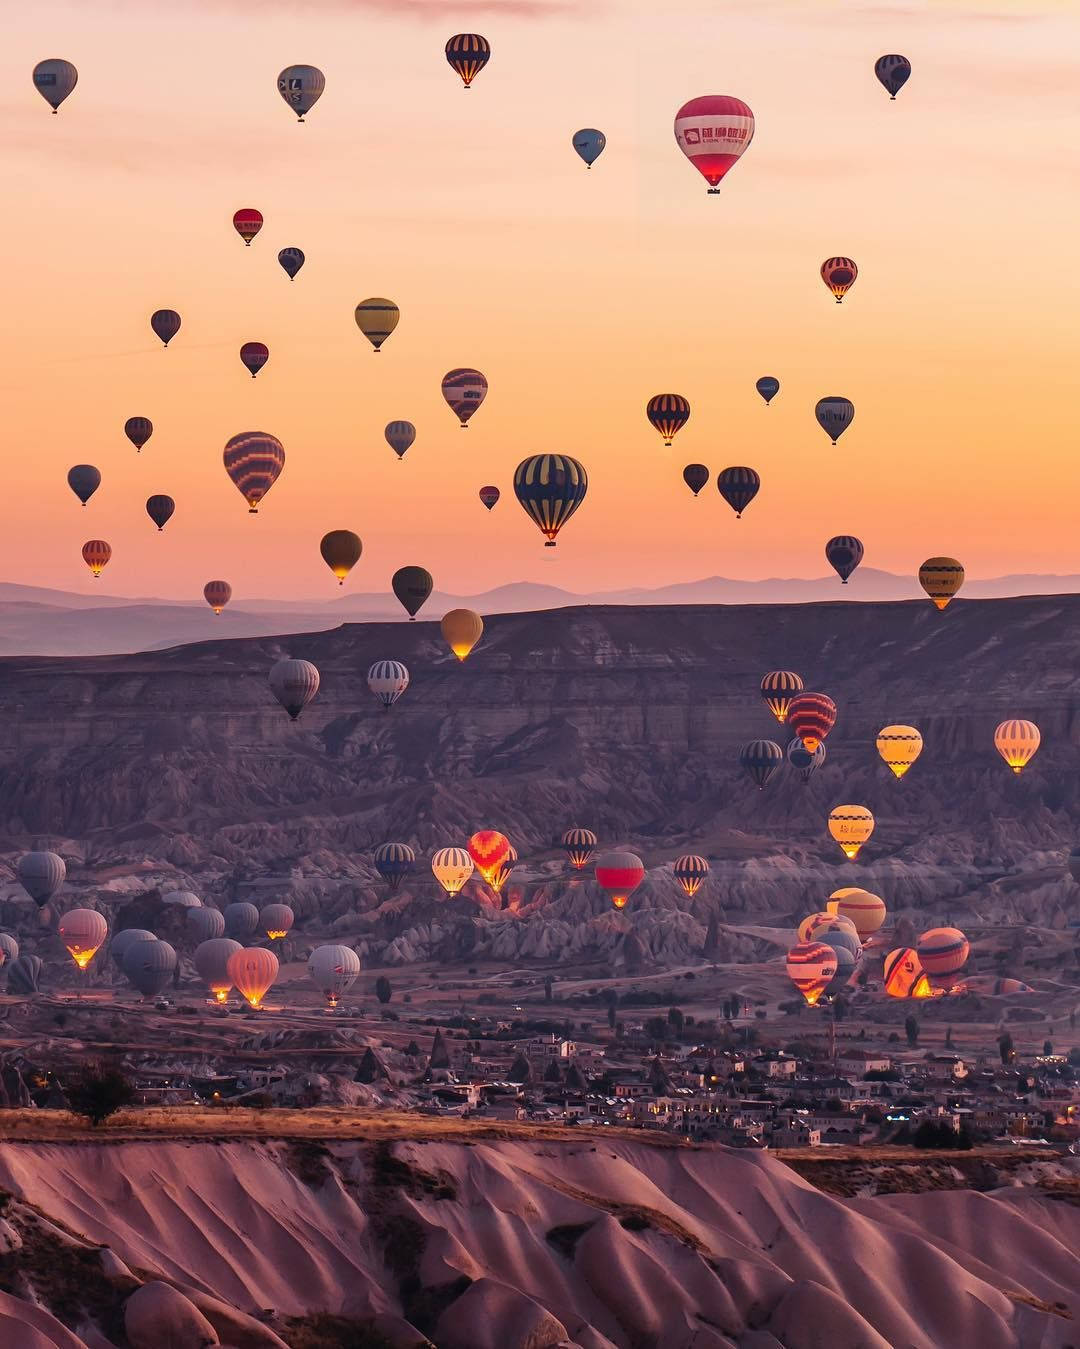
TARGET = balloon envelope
(489,850)
(904,975)
(96,554)
(941,578)
(589,144)
(41,874)
(811,716)
(252,970)
(461,630)
(290,261)
(761,759)
(294,683)
(619,874)
(899,747)
(160,509)
(851,826)
(388,680)
(412,586)
(276,920)
(205,923)
(844,553)
(247,222)
(82,931)
(464,390)
(149,965)
(805,762)
(241,920)
(839,275)
(550,488)
(399,436)
(668,413)
(127,937)
(54,80)
(254,460)
(341,550)
(138,430)
(217,594)
(1017,742)
(211,961)
(943,950)
(377,318)
(489,496)
(713,132)
(695,476)
(768,386)
(579,845)
(468,54)
(738,486)
(24,973)
(810,967)
(893,72)
(165,324)
(834,416)
(452,867)
(865,910)
(393,862)
(690,871)
(778,688)
(84,480)
(253,356)
(333,970)
(301,87)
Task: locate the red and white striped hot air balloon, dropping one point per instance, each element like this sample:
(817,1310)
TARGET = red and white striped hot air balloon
(712,132)
(247,222)
(620,874)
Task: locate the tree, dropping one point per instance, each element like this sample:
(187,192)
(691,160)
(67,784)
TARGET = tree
(911,1030)
(548,982)
(97,1091)
(1005,1047)
(611,1015)
(839,1007)
(1048,1047)
(384,990)
(676,1020)
(948,1039)
(656,1028)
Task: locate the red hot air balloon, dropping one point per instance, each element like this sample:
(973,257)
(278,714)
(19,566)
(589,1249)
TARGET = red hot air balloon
(96,554)
(712,132)
(253,460)
(247,222)
(217,594)
(253,356)
(489,496)
(811,716)
(489,850)
(620,874)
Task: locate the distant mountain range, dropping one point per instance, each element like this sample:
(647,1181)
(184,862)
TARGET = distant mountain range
(38,621)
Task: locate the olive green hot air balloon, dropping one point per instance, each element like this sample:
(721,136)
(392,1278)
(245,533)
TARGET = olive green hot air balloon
(341,550)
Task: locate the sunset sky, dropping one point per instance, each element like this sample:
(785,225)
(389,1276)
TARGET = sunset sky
(579,294)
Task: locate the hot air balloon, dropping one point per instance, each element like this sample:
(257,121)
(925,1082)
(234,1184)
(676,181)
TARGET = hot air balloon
(839,274)
(294,683)
(550,488)
(834,416)
(24,973)
(412,586)
(9,948)
(738,486)
(850,826)
(668,413)
(941,578)
(489,496)
(399,436)
(276,920)
(811,716)
(619,874)
(893,72)
(393,862)
(377,318)
(712,132)
(54,80)
(846,961)
(589,144)
(899,747)
(253,356)
(253,970)
(468,54)
(811,966)
(126,937)
(579,845)
(241,920)
(82,931)
(84,480)
(489,850)
(96,554)
(865,910)
(842,939)
(462,629)
(247,222)
(691,871)
(452,867)
(165,324)
(333,970)
(253,460)
(149,965)
(1017,742)
(815,925)
(388,680)
(217,594)
(778,688)
(205,923)
(464,390)
(160,509)
(138,430)
(211,961)
(301,87)
(805,762)
(761,759)
(291,260)
(904,975)
(502,872)
(768,386)
(844,553)
(184,899)
(341,550)
(943,950)
(695,476)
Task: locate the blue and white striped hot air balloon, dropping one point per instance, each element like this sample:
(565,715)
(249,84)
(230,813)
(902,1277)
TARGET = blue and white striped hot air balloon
(388,680)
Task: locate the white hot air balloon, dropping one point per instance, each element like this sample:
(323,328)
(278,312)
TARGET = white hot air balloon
(388,680)
(333,971)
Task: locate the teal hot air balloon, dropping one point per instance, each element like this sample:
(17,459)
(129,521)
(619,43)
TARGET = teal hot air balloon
(550,488)
(761,759)
(589,144)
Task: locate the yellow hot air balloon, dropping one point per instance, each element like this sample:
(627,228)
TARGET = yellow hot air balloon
(814,926)
(851,826)
(1017,742)
(462,629)
(377,318)
(452,867)
(865,910)
(941,578)
(899,747)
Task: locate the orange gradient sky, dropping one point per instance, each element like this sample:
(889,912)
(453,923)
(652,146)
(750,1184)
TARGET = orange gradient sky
(578,293)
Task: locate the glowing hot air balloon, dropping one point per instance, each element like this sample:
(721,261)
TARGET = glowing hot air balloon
(579,846)
(619,874)
(713,132)
(341,550)
(668,413)
(138,430)
(452,867)
(489,496)
(160,509)
(412,586)
(893,73)
(851,827)
(399,436)
(217,594)
(165,324)
(254,460)
(276,920)
(778,688)
(82,931)
(899,747)
(468,54)
(84,480)
(462,629)
(691,872)
(768,386)
(211,961)
(589,144)
(502,872)
(811,966)
(943,950)
(811,716)
(393,862)
(301,87)
(834,416)
(290,261)
(388,680)
(252,971)
(844,553)
(761,759)
(695,476)
(941,578)
(96,554)
(377,318)
(54,80)
(294,683)
(839,275)
(247,222)
(738,486)
(1017,742)
(464,390)
(253,356)
(904,976)
(550,488)
(489,850)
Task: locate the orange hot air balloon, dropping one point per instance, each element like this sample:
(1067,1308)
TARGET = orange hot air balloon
(1017,742)
(851,826)
(82,931)
(96,554)
(217,594)
(461,630)
(839,275)
(943,950)
(489,850)
(810,967)
(865,910)
(253,970)
(941,578)
(904,975)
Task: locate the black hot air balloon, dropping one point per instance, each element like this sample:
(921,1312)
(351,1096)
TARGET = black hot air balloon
(738,486)
(160,510)
(550,488)
(412,586)
(165,324)
(761,759)
(695,476)
(468,54)
(253,356)
(768,386)
(84,480)
(893,72)
(834,416)
(844,553)
(138,430)
(291,260)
